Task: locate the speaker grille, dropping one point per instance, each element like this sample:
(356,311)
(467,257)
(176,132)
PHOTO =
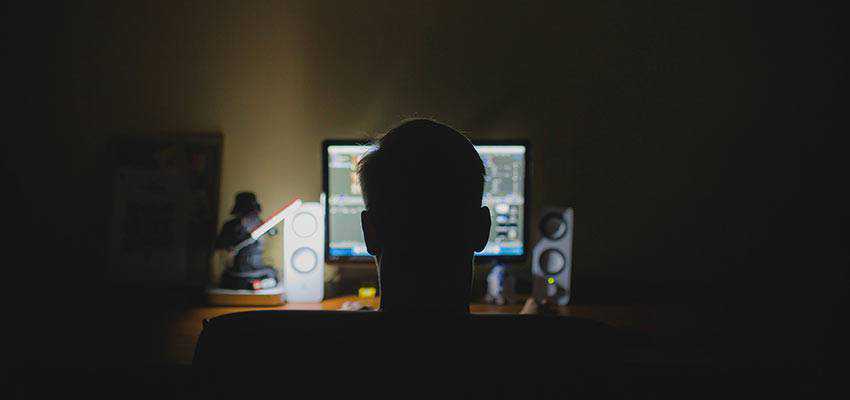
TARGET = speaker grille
(304,260)
(304,225)
(553,226)
(552,261)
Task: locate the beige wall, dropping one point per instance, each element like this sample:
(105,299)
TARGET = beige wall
(277,78)
(645,118)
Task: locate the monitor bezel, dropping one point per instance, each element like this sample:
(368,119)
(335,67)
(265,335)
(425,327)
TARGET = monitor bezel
(479,142)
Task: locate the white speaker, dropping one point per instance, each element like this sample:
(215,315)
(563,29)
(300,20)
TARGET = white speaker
(552,256)
(303,255)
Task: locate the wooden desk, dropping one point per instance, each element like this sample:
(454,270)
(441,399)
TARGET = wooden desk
(185,325)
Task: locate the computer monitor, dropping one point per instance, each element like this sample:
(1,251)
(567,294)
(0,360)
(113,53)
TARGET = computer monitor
(505,192)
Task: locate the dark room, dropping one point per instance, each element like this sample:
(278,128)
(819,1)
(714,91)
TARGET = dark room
(415,198)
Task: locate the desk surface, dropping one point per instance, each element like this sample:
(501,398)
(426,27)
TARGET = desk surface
(185,325)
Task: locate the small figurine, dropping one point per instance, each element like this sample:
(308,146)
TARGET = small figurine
(500,285)
(247,270)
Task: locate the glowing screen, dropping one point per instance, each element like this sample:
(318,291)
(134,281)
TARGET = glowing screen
(504,194)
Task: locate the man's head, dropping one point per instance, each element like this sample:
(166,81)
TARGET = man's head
(423,185)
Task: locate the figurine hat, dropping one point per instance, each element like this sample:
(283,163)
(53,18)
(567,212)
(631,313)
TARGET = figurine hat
(245,202)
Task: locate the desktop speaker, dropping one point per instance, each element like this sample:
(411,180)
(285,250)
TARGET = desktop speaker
(552,257)
(303,254)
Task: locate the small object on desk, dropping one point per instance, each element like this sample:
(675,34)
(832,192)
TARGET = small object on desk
(242,238)
(245,281)
(354,306)
(500,286)
(367,291)
(543,307)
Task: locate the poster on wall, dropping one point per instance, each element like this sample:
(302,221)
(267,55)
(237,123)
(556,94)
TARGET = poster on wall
(165,191)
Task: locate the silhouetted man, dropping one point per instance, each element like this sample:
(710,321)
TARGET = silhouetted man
(423,222)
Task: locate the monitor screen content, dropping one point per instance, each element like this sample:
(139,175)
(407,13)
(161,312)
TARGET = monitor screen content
(504,194)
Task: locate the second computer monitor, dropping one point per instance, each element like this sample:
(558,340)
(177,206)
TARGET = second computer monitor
(505,193)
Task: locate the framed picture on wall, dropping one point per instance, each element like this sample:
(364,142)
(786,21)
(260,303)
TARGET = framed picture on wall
(165,193)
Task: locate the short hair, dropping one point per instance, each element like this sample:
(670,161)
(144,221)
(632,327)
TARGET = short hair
(418,168)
